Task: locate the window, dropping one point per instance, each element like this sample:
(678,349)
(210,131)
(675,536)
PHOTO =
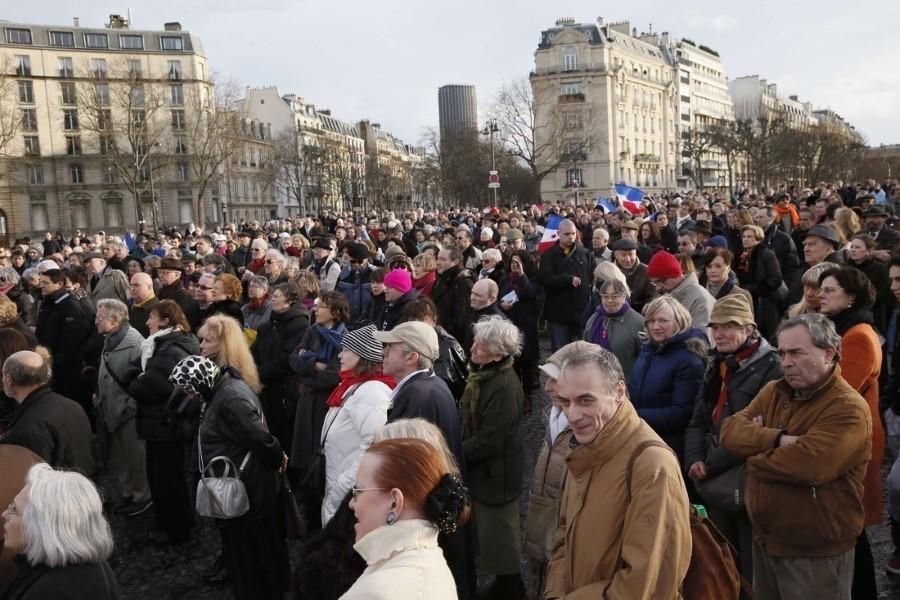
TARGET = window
(98,68)
(23,65)
(66,66)
(113,208)
(109,173)
(67,92)
(569,59)
(76,172)
(39,212)
(621,119)
(138,117)
(79,210)
(137,96)
(178,120)
(73,145)
(96,40)
(70,119)
(174,69)
(35,174)
(26,92)
(18,36)
(180,144)
(182,171)
(131,42)
(66,39)
(246,189)
(185,206)
(685,98)
(171,42)
(176,93)
(573,176)
(104,143)
(104,119)
(29,119)
(101,93)
(572,120)
(134,68)
(685,117)
(32,145)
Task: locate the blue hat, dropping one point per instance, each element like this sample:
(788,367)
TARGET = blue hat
(717,241)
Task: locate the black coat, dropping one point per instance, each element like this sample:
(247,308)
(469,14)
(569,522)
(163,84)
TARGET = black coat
(425,395)
(492,310)
(53,427)
(452,364)
(91,581)
(524,313)
(63,328)
(788,257)
(151,389)
(232,427)
(275,341)
(877,272)
(452,290)
(229,308)
(565,303)
(763,279)
(393,311)
(179,295)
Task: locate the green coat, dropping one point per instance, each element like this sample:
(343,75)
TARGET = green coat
(492,435)
(116,405)
(623,336)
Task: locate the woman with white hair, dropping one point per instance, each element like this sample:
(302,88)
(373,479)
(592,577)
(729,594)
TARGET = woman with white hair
(491,408)
(56,526)
(492,266)
(274,267)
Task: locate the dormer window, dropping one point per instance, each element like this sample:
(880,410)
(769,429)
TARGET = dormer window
(569,59)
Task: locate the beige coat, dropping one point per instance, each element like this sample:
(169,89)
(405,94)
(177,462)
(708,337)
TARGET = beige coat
(607,547)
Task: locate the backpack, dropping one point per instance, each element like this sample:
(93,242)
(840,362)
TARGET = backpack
(713,572)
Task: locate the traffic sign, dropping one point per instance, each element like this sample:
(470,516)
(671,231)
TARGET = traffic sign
(493,180)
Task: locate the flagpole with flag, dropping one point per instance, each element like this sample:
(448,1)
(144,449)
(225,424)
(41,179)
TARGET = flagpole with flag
(551,233)
(630,198)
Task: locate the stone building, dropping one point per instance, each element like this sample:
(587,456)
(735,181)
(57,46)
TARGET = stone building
(93,119)
(606,110)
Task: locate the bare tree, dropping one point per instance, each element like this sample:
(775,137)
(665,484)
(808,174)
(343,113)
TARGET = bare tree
(289,170)
(696,145)
(544,142)
(129,117)
(725,139)
(10,114)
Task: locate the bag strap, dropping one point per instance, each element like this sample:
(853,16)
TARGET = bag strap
(629,470)
(327,429)
(113,374)
(240,470)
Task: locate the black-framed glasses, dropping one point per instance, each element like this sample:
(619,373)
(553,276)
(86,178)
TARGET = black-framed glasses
(355,491)
(206,288)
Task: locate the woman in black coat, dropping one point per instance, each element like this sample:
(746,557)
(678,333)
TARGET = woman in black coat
(317,366)
(227,295)
(522,287)
(275,341)
(759,273)
(861,248)
(170,341)
(253,544)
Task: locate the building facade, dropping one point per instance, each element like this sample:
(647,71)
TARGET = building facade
(457,110)
(754,98)
(101,117)
(606,110)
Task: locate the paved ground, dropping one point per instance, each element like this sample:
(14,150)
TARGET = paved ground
(146,572)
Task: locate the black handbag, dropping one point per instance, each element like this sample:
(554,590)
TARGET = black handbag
(725,491)
(313,480)
(294,525)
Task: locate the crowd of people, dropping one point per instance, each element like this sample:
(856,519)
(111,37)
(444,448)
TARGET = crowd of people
(359,384)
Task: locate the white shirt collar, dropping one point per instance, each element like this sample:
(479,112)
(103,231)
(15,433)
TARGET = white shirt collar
(404,380)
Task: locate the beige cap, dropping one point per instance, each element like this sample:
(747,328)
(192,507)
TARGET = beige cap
(418,336)
(733,308)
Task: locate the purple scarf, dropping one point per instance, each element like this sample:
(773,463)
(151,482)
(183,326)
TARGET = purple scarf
(599,333)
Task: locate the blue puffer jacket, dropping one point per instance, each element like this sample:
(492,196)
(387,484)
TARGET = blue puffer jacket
(666,381)
(357,287)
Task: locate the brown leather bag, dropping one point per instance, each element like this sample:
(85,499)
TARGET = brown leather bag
(713,573)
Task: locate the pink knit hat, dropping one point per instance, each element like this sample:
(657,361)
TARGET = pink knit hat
(662,266)
(399,279)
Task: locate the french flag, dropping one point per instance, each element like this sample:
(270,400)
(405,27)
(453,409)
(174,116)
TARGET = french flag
(607,204)
(630,198)
(551,233)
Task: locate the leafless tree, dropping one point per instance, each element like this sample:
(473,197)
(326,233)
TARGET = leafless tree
(10,115)
(696,145)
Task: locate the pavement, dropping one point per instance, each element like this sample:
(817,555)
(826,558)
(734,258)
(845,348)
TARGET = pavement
(147,572)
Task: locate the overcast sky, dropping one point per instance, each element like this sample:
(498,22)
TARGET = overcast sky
(383,60)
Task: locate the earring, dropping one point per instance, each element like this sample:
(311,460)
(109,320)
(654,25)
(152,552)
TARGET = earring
(391,518)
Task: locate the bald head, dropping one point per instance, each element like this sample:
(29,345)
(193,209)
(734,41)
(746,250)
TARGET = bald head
(23,372)
(484,293)
(141,287)
(567,233)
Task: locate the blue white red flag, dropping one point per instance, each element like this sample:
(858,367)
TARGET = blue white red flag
(630,198)
(608,204)
(551,233)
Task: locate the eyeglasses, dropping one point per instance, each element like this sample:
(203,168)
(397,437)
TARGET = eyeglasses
(611,297)
(830,290)
(355,491)
(206,287)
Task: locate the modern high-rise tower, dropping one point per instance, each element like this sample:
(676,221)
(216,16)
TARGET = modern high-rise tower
(457,109)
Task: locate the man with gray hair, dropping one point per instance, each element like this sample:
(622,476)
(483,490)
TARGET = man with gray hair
(127,454)
(807,439)
(106,282)
(624,527)
(49,424)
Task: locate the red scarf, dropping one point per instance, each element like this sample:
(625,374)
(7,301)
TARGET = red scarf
(257,265)
(424,284)
(258,303)
(725,372)
(348,380)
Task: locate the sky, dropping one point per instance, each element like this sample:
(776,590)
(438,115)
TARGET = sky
(384,60)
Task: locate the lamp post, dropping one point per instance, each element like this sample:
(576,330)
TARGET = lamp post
(489,130)
(154,207)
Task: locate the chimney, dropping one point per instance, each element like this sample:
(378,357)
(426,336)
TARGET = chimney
(76,22)
(172,26)
(117,22)
(599,21)
(634,32)
(794,98)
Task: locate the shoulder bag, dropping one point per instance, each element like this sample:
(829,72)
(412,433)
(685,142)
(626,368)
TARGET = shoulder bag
(222,497)
(314,476)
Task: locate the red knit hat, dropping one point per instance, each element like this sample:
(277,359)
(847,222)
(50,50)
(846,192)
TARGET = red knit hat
(664,266)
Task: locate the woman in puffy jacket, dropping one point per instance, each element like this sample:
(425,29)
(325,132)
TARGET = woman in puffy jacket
(668,374)
(253,543)
(357,408)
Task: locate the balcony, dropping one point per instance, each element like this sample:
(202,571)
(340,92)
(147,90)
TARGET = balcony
(558,69)
(571,98)
(646,158)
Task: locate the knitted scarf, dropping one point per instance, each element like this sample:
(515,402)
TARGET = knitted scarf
(425,284)
(468,404)
(787,211)
(348,380)
(331,342)
(728,364)
(599,331)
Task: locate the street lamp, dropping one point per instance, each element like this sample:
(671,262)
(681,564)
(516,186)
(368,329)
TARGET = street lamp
(489,130)
(153,204)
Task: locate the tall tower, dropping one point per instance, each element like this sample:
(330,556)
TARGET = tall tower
(457,110)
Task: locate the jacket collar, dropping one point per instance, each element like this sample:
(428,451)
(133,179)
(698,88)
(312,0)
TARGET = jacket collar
(815,393)
(388,540)
(609,441)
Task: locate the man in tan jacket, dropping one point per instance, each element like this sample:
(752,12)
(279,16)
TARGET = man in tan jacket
(616,542)
(807,438)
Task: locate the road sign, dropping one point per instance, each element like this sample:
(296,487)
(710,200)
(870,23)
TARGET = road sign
(493,180)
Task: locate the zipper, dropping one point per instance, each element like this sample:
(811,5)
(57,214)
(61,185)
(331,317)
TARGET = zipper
(813,492)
